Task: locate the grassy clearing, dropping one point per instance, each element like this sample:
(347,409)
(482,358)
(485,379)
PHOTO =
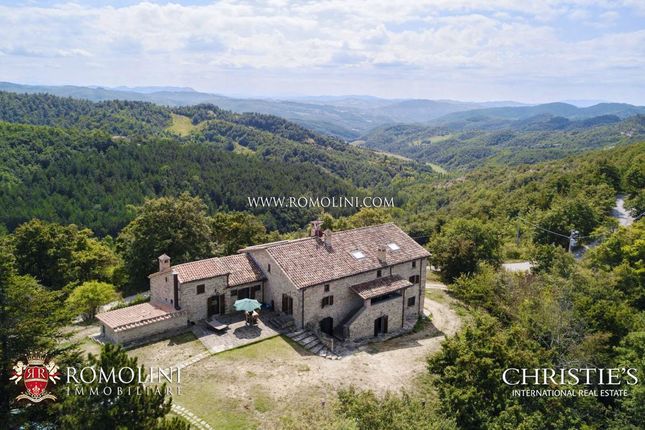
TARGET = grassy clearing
(442,138)
(239,149)
(234,390)
(437,168)
(275,347)
(433,276)
(168,352)
(437,296)
(183,126)
(79,333)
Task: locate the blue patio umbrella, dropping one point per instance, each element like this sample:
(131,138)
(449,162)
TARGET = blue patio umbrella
(248,305)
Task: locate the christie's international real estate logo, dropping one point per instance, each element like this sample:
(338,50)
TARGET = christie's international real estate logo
(36,375)
(570,382)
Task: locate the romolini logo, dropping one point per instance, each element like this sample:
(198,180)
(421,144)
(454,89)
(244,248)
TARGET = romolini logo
(35,375)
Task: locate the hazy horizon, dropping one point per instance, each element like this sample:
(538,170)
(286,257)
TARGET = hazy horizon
(159,88)
(463,50)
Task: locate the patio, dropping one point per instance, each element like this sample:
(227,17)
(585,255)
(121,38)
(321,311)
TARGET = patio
(238,333)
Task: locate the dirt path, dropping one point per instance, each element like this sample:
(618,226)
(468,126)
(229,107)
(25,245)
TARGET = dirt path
(379,366)
(444,318)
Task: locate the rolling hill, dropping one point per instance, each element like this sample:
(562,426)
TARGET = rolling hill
(75,161)
(527,140)
(347,117)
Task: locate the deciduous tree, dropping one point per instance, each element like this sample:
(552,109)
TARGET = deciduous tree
(87,297)
(461,245)
(177,226)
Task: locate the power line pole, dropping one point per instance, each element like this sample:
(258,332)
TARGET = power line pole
(572,240)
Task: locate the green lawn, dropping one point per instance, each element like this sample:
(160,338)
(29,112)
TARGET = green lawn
(234,390)
(275,347)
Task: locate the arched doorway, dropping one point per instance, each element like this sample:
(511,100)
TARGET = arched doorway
(327,326)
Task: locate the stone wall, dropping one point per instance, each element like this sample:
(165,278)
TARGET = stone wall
(277,284)
(363,326)
(197,304)
(346,302)
(148,332)
(405,270)
(161,288)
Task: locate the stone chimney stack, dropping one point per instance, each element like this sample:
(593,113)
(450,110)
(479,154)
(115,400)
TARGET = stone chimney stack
(327,236)
(315,228)
(381,254)
(164,262)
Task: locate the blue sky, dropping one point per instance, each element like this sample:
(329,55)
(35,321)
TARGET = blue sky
(533,51)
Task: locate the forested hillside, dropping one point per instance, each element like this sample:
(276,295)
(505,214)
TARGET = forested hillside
(116,117)
(80,162)
(473,143)
(574,193)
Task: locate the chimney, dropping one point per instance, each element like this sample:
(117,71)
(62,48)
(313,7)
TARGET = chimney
(327,237)
(315,228)
(381,254)
(164,262)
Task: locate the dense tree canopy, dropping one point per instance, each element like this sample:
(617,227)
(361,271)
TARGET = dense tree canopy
(31,318)
(57,255)
(235,230)
(461,245)
(119,168)
(177,227)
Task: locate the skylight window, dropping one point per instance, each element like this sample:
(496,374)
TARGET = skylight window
(357,254)
(393,246)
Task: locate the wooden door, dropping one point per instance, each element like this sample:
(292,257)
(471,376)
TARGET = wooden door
(287,304)
(222,304)
(380,325)
(212,306)
(216,305)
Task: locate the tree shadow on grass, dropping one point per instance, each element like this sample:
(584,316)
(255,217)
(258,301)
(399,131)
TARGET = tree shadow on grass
(181,339)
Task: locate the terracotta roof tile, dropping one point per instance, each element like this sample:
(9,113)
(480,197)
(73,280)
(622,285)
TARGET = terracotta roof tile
(201,269)
(380,286)
(242,269)
(137,315)
(309,262)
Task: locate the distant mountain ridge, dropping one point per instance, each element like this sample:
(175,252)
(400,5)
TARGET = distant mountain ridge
(558,109)
(347,117)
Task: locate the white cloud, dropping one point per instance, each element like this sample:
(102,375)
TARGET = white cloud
(483,41)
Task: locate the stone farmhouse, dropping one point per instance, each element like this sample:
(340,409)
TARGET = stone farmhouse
(351,285)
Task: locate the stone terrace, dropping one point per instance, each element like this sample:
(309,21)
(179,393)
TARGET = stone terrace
(238,333)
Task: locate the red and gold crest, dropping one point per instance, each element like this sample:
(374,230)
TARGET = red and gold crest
(35,375)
